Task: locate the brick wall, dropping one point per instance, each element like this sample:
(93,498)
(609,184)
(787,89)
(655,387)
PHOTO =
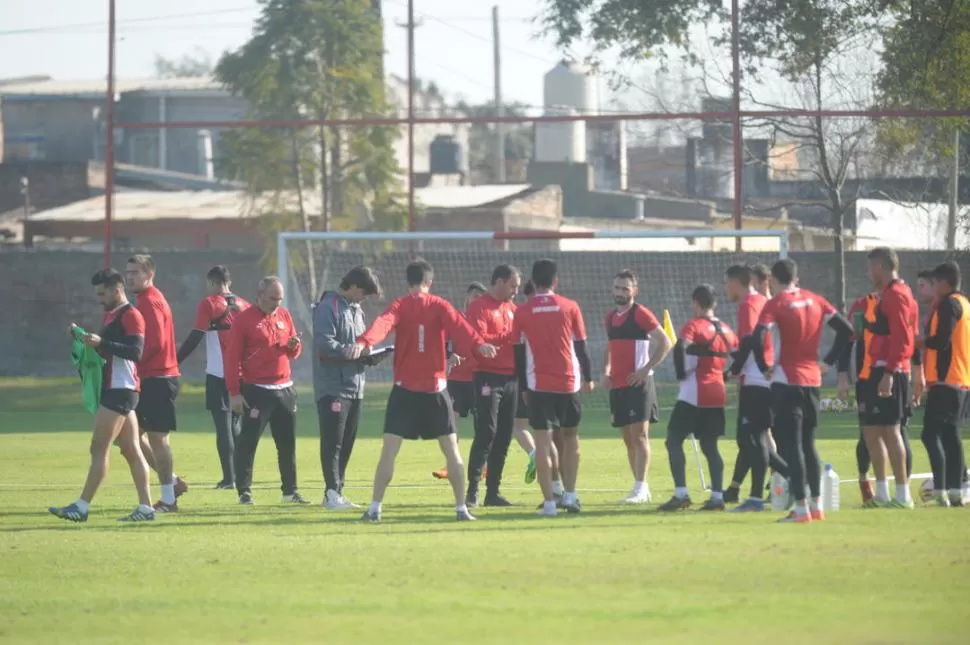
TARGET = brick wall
(43,291)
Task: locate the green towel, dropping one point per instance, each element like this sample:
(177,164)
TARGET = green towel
(90,367)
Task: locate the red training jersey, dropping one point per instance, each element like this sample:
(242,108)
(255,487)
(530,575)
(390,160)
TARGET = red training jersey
(704,385)
(214,318)
(123,325)
(463,371)
(799,316)
(420,322)
(748,313)
(894,332)
(629,341)
(160,355)
(548,324)
(257,349)
(493,320)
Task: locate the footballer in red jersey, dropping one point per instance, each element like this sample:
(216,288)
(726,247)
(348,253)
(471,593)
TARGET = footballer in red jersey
(637,344)
(460,372)
(119,343)
(800,317)
(755,452)
(886,397)
(703,347)
(419,406)
(213,322)
(553,365)
(159,371)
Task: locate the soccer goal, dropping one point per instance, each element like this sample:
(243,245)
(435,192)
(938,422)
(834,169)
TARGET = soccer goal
(668,264)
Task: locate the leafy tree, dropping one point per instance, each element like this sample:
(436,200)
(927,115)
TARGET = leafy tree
(315,59)
(926,64)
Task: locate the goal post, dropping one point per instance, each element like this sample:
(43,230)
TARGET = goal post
(668,264)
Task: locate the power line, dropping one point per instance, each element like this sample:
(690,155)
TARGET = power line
(103,24)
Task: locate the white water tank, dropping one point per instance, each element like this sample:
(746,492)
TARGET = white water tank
(560,141)
(571,84)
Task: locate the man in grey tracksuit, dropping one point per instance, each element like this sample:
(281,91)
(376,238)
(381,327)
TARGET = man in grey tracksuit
(338,383)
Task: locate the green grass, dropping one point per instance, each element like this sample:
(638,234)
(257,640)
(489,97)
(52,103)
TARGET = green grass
(217,573)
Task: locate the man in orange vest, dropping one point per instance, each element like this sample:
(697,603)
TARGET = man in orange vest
(947,369)
(862,313)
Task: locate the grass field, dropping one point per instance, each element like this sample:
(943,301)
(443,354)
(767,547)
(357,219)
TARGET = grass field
(218,573)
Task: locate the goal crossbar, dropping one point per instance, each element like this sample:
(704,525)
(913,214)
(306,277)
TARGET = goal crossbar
(485,236)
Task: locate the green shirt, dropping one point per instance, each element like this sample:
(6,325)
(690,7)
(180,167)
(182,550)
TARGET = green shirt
(90,367)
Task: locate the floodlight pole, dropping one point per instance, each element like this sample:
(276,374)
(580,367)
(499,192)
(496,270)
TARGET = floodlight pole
(736,118)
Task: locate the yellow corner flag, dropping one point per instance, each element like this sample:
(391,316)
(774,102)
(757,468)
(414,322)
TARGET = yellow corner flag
(669,327)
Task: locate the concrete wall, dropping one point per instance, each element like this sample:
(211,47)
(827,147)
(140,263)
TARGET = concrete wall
(43,291)
(68,127)
(51,183)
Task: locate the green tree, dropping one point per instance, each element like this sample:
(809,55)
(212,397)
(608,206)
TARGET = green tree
(926,64)
(315,59)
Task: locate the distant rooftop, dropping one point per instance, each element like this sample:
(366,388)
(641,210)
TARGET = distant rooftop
(231,204)
(46,86)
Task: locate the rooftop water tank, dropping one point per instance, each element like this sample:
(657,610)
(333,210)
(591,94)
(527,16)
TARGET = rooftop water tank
(446,155)
(573,85)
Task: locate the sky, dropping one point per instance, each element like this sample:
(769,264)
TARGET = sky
(67,39)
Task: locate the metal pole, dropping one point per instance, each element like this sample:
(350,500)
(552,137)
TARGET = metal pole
(109,128)
(411,115)
(736,109)
(499,106)
(951,222)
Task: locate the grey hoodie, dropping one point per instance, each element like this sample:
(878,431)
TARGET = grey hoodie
(336,325)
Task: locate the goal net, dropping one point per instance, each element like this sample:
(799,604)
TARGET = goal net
(668,264)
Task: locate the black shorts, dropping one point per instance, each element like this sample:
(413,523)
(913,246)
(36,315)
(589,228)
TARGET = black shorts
(462,397)
(636,404)
(945,406)
(419,415)
(522,408)
(216,394)
(554,410)
(156,406)
(875,410)
(795,409)
(754,410)
(119,401)
(687,419)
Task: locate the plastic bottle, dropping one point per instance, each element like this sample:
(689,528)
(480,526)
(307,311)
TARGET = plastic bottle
(780,498)
(830,490)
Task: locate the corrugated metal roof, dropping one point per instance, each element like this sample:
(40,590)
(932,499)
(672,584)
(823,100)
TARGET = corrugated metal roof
(53,87)
(207,204)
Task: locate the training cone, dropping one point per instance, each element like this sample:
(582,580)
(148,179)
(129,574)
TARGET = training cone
(669,327)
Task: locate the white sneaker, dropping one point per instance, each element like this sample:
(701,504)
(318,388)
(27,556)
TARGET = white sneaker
(544,512)
(337,502)
(637,498)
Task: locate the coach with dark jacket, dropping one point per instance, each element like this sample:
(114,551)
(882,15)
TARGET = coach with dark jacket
(338,383)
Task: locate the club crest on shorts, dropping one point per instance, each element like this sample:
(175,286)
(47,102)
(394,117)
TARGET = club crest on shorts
(486,390)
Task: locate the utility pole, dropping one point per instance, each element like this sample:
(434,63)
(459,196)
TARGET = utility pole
(499,106)
(410,26)
(951,222)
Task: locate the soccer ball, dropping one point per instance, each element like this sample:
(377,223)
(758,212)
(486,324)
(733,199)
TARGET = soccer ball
(926,491)
(833,405)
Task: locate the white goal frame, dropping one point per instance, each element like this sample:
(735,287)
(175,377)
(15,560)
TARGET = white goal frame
(282,239)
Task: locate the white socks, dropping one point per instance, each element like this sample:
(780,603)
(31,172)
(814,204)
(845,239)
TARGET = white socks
(717,495)
(461,508)
(813,504)
(557,488)
(168,493)
(81,504)
(569,497)
(680,492)
(375,507)
(641,488)
(902,493)
(882,490)
(549,507)
(145,509)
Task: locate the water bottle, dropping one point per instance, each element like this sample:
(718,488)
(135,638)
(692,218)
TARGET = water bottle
(780,498)
(830,490)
